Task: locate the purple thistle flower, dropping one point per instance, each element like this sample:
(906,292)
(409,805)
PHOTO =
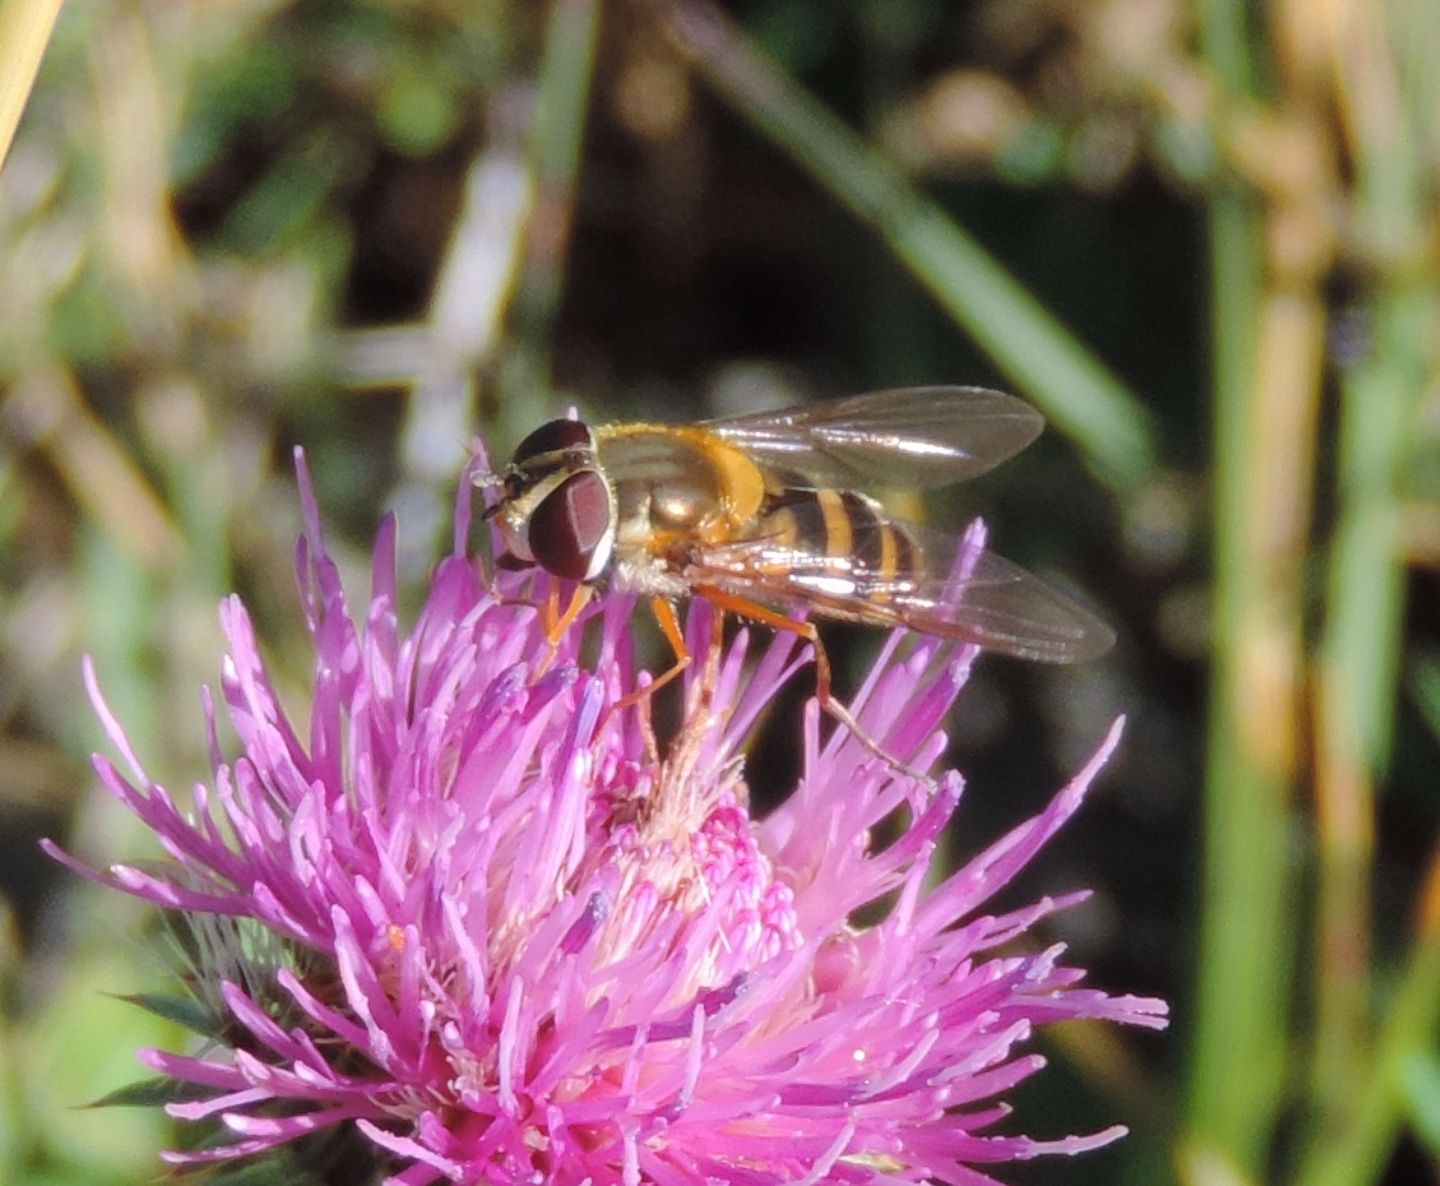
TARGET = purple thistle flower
(475,919)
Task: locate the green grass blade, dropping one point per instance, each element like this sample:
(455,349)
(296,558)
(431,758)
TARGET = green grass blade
(1239,1056)
(1381,1100)
(1028,343)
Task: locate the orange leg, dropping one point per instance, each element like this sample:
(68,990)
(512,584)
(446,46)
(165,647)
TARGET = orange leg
(664,611)
(670,627)
(556,623)
(745,608)
(556,626)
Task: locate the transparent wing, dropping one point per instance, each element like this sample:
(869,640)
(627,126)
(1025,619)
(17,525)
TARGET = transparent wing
(953,591)
(911,437)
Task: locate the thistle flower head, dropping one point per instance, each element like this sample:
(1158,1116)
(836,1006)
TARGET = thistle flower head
(470,918)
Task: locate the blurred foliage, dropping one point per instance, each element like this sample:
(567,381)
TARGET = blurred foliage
(1201,236)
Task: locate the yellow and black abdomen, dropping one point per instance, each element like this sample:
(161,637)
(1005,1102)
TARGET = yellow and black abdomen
(845,534)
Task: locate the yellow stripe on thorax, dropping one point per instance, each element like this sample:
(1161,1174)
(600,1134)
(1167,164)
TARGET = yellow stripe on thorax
(741,479)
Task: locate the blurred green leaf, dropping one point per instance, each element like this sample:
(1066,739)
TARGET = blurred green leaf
(1425,688)
(281,1169)
(800,35)
(73,1052)
(151,1093)
(1420,1082)
(1036,154)
(417,113)
(288,199)
(88,325)
(233,94)
(11,1139)
(183,1011)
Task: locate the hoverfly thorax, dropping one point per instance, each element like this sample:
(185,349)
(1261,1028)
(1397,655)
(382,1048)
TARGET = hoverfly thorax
(557,509)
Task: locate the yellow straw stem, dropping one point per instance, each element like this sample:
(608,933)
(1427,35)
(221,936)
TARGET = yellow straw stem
(25,28)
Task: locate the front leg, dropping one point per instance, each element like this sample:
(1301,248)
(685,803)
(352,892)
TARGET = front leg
(557,624)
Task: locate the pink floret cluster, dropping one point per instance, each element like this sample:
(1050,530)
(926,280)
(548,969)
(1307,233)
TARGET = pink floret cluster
(477,920)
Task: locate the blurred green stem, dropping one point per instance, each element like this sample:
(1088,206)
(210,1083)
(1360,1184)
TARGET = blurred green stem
(25,28)
(1265,353)
(1357,685)
(1042,357)
(1247,932)
(1358,1156)
(1381,394)
(568,65)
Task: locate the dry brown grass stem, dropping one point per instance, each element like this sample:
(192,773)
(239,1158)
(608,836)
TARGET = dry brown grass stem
(25,28)
(48,413)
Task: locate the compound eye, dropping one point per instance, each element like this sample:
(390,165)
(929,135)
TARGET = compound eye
(554,437)
(571,533)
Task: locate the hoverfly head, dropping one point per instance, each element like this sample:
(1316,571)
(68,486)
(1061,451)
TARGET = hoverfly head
(557,509)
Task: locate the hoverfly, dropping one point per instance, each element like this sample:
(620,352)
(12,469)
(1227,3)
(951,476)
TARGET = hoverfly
(767,512)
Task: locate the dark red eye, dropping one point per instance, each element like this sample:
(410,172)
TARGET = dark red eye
(554,437)
(570,530)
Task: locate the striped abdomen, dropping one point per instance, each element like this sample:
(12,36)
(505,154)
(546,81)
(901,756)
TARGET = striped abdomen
(859,549)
